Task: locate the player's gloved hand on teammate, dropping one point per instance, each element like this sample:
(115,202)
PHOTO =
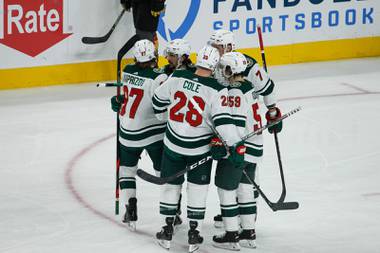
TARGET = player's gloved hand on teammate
(273,114)
(237,152)
(157,7)
(218,151)
(116,102)
(127,4)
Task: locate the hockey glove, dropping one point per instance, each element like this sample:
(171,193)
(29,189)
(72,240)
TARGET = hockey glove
(237,152)
(273,114)
(218,151)
(127,4)
(116,102)
(157,7)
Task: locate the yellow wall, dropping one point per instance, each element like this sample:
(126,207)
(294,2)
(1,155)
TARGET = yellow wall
(106,70)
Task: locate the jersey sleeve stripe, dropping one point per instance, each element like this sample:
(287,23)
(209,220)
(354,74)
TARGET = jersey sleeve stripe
(223,121)
(265,87)
(254,152)
(269,90)
(156,111)
(221,115)
(257,146)
(239,123)
(159,100)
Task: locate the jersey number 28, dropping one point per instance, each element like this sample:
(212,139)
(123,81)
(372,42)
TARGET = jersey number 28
(191,116)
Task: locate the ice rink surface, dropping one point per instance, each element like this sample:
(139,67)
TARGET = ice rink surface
(57,172)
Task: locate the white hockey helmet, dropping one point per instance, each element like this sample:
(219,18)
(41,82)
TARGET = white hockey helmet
(144,51)
(178,47)
(223,38)
(232,63)
(208,58)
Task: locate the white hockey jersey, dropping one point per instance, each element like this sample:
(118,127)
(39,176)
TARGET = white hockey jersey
(261,81)
(187,132)
(139,126)
(244,111)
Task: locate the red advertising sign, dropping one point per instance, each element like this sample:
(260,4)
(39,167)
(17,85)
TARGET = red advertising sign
(31,26)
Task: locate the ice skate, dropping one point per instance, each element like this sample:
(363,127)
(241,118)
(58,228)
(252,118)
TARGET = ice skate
(130,216)
(228,240)
(194,238)
(165,236)
(247,238)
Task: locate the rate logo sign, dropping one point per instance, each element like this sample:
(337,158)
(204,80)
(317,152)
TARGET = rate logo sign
(31,26)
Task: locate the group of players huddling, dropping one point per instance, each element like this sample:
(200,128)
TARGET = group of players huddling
(168,112)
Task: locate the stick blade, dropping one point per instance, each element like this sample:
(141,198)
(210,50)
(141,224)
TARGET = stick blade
(285,206)
(93,40)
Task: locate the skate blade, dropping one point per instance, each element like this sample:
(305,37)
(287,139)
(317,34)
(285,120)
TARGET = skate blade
(164,244)
(248,243)
(228,245)
(218,224)
(131,226)
(193,247)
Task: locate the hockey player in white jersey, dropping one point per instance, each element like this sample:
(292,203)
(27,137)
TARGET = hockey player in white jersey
(187,140)
(263,85)
(177,53)
(235,192)
(139,127)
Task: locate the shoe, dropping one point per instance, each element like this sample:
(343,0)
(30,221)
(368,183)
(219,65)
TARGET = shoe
(194,238)
(228,240)
(130,216)
(165,236)
(247,238)
(218,221)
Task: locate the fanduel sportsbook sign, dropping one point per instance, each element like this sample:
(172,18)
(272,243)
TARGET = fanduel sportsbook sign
(291,15)
(31,26)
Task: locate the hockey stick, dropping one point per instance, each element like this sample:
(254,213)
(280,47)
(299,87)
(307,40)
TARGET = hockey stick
(96,40)
(277,206)
(275,122)
(283,193)
(280,205)
(128,45)
(163,180)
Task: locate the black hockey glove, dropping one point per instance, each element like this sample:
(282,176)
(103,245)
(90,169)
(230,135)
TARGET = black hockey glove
(127,4)
(273,114)
(157,6)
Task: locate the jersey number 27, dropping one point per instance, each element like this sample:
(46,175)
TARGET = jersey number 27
(134,92)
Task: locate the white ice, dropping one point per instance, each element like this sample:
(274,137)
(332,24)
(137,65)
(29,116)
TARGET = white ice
(57,169)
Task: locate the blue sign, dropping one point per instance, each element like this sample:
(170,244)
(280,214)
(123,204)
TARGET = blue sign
(184,28)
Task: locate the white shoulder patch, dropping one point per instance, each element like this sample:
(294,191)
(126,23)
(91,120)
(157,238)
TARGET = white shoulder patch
(158,70)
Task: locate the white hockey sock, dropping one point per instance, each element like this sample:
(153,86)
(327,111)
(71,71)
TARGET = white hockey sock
(127,181)
(196,203)
(169,198)
(247,206)
(229,208)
